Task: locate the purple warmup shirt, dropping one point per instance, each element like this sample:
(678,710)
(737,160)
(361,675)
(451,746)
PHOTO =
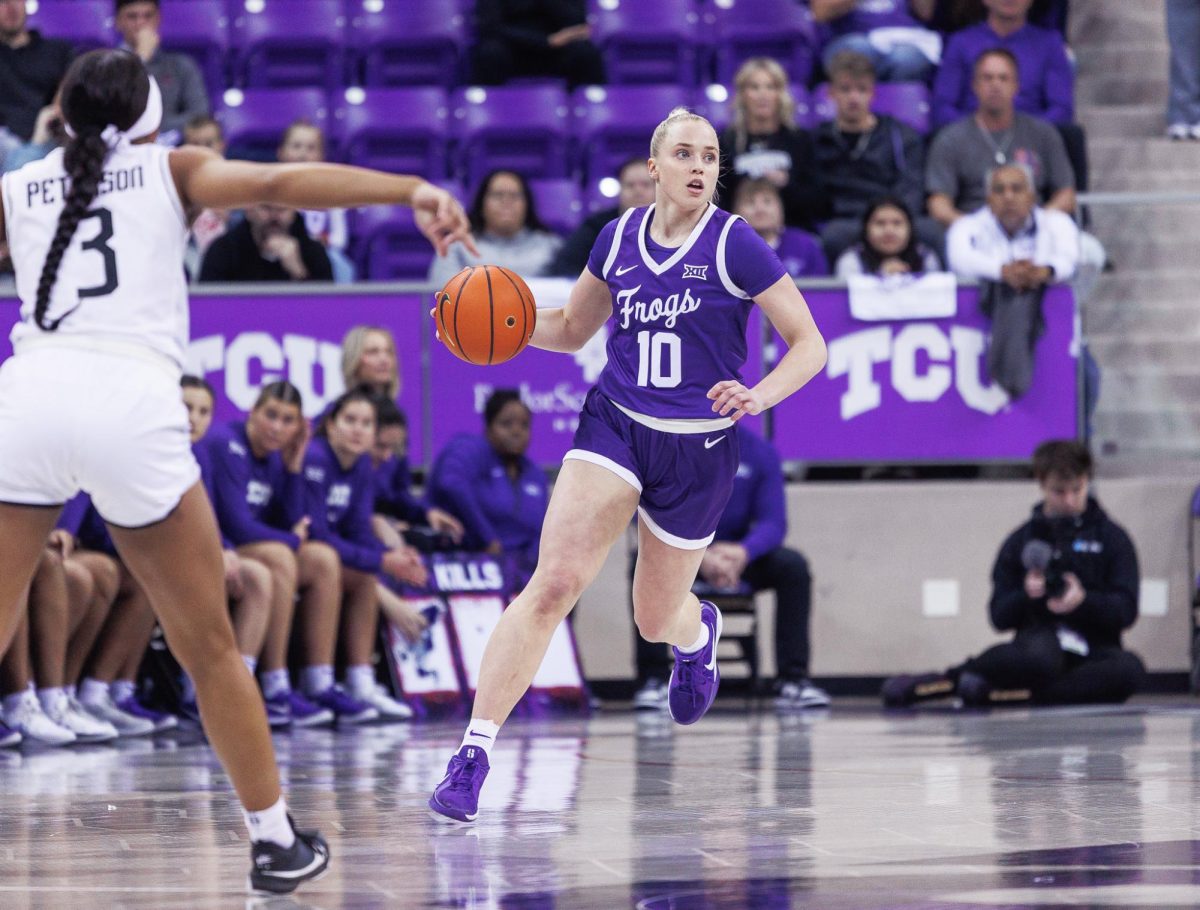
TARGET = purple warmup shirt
(869,15)
(340,503)
(1047,82)
(802,254)
(256,499)
(80,519)
(756,515)
(393,492)
(679,315)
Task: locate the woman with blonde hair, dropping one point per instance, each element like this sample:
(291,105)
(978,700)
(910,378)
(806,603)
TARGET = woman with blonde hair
(369,358)
(763,142)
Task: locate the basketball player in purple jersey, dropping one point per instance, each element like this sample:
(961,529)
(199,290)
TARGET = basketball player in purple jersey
(656,435)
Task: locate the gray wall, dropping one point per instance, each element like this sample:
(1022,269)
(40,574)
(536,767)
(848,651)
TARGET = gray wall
(901,574)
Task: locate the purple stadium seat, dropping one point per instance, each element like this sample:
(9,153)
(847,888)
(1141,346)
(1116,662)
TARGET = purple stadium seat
(613,123)
(908,102)
(402,130)
(388,246)
(86,24)
(406,42)
(199,28)
(283,43)
(648,42)
(782,29)
(559,204)
(523,128)
(254,125)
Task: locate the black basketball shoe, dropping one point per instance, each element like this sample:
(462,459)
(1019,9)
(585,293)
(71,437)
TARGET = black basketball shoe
(279,870)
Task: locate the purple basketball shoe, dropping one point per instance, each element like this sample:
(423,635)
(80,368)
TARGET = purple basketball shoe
(456,798)
(695,677)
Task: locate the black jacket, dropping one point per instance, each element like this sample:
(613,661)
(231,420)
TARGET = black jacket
(788,150)
(234,256)
(889,161)
(1097,550)
(573,255)
(29,77)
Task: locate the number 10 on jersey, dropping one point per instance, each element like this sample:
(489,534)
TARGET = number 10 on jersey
(656,350)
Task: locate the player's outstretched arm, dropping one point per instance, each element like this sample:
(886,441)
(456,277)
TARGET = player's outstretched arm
(567,329)
(785,306)
(206,180)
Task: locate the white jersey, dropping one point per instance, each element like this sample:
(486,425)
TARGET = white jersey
(122,276)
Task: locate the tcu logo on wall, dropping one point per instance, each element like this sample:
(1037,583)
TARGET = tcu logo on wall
(253,359)
(955,360)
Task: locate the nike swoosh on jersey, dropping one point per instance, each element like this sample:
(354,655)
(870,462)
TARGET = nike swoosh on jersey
(628,268)
(709,443)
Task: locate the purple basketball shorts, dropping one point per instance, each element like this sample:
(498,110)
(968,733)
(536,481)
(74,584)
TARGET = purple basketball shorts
(684,478)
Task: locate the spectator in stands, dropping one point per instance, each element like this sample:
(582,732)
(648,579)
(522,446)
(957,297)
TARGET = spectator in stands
(507,230)
(954,15)
(1183,101)
(48,134)
(748,549)
(491,485)
(31,68)
(636,189)
(1047,79)
(887,245)
(1066,582)
(369,359)
(183,93)
(963,153)
(258,496)
(1016,249)
(270,244)
(861,156)
(304,141)
(892,33)
(759,202)
(340,500)
(534,38)
(764,141)
(1011,239)
(210,223)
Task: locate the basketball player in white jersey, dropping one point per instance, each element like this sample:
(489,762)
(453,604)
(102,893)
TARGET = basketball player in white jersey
(90,400)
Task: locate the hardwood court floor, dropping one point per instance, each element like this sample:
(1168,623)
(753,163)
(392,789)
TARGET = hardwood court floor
(849,810)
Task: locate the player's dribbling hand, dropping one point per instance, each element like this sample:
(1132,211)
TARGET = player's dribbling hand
(441,219)
(733,400)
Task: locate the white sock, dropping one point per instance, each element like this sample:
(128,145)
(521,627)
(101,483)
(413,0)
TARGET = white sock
(189,690)
(251,663)
(271,825)
(50,695)
(275,682)
(70,690)
(481,734)
(699,642)
(92,691)
(317,679)
(360,679)
(121,689)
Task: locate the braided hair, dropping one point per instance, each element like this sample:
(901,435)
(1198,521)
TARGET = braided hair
(102,87)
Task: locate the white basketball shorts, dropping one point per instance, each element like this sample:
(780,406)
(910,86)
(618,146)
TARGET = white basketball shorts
(104,418)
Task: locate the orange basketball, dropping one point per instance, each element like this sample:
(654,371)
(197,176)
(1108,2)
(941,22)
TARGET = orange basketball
(485,314)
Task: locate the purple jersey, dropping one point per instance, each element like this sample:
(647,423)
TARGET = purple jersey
(339,502)
(256,499)
(679,316)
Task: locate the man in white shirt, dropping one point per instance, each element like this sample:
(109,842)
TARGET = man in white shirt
(1011,239)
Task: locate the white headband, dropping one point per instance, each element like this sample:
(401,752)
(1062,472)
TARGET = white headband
(147,123)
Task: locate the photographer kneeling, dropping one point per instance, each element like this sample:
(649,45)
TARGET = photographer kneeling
(1067,582)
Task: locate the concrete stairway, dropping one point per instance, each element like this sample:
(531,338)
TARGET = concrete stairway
(1143,320)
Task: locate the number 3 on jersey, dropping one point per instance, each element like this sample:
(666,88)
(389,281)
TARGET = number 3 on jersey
(653,349)
(99,243)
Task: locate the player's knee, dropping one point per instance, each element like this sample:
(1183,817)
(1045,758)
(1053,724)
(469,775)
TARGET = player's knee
(557,591)
(279,559)
(256,580)
(106,577)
